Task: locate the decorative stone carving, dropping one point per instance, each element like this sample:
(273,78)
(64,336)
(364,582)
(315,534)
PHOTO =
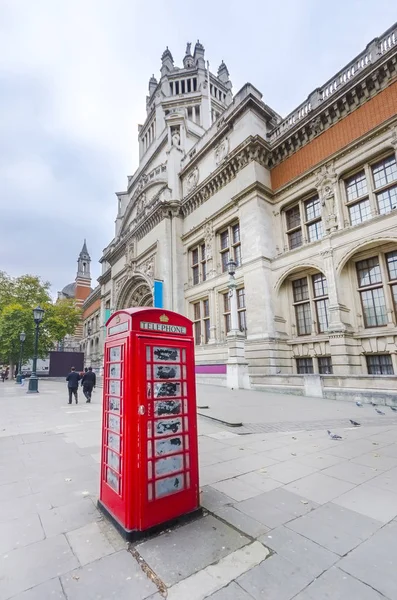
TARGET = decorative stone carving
(192,179)
(315,125)
(147,267)
(208,238)
(221,151)
(176,139)
(393,140)
(325,182)
(119,284)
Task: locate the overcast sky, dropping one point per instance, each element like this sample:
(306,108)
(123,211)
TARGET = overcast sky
(73,82)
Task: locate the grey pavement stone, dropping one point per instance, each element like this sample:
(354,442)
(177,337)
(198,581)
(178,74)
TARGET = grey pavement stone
(241,521)
(20,532)
(71,516)
(63,479)
(89,543)
(246,464)
(350,472)
(50,590)
(34,564)
(320,460)
(211,498)
(234,453)
(219,472)
(299,550)
(374,561)
(353,449)
(386,481)
(259,480)
(377,459)
(371,501)
(116,576)
(319,487)
(335,528)
(231,592)
(390,450)
(25,505)
(14,490)
(236,489)
(275,579)
(288,471)
(338,585)
(190,548)
(275,508)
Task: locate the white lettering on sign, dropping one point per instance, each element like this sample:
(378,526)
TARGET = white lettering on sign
(163,327)
(118,328)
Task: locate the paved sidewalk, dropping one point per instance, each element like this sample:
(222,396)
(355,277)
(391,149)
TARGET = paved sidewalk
(292,514)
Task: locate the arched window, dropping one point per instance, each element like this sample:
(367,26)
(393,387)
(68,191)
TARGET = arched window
(377,286)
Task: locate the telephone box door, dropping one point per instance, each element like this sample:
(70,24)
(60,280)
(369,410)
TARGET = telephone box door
(169,465)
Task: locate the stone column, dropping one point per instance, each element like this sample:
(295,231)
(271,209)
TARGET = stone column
(237,367)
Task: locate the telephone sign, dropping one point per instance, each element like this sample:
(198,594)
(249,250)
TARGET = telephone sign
(149,468)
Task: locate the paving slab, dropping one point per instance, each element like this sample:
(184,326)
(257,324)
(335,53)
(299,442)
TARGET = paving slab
(20,532)
(288,471)
(231,592)
(34,564)
(15,490)
(378,459)
(116,576)
(50,590)
(335,528)
(171,555)
(386,481)
(71,516)
(259,480)
(319,488)
(299,550)
(374,562)
(241,521)
(236,489)
(89,543)
(211,499)
(275,579)
(351,472)
(371,501)
(338,585)
(276,507)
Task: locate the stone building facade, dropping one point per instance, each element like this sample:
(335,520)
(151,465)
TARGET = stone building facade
(304,205)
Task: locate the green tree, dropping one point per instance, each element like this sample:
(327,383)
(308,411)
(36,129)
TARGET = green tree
(18,297)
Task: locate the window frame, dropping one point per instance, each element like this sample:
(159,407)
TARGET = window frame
(241,311)
(199,267)
(309,364)
(368,357)
(386,187)
(313,300)
(370,288)
(233,248)
(329,366)
(201,321)
(306,222)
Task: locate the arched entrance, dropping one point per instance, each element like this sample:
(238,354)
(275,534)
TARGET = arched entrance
(135,292)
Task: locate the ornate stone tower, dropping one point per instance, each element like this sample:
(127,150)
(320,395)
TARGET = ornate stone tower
(82,282)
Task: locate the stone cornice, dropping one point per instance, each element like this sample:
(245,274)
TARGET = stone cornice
(252,149)
(105,277)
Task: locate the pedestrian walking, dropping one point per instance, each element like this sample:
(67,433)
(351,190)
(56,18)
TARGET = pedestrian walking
(88,383)
(73,383)
(3,376)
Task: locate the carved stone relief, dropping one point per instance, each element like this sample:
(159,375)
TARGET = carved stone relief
(192,179)
(208,239)
(221,151)
(147,268)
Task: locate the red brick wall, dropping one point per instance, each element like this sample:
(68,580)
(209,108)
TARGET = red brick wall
(91,309)
(380,108)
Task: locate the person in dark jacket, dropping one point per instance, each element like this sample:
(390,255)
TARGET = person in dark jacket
(88,383)
(73,383)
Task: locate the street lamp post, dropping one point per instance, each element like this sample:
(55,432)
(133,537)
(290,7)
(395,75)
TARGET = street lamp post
(234,325)
(22,337)
(38,314)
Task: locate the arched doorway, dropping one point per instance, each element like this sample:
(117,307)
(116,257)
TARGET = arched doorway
(136,292)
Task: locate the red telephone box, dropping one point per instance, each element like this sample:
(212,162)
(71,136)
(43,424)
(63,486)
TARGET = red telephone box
(149,465)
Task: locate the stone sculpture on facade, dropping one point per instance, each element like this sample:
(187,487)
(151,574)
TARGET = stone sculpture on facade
(192,179)
(221,151)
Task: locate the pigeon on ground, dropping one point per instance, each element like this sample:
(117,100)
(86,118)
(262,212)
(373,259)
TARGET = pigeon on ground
(334,436)
(373,403)
(394,408)
(354,423)
(358,403)
(380,412)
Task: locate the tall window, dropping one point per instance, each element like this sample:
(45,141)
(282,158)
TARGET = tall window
(241,311)
(377,285)
(384,174)
(358,203)
(310,297)
(230,246)
(201,318)
(312,223)
(379,364)
(371,291)
(325,365)
(198,264)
